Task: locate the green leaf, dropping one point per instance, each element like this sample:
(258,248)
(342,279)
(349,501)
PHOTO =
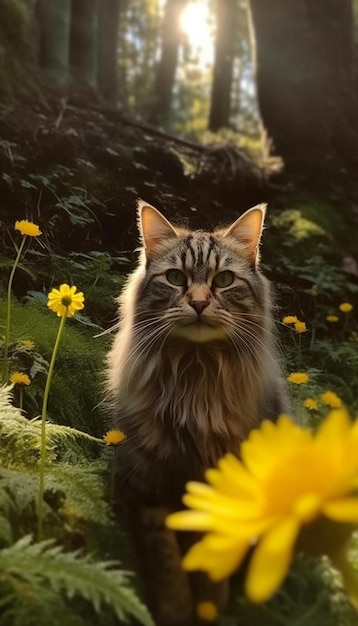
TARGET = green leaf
(28,569)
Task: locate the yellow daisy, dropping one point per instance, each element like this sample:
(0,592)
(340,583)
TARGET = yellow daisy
(345,307)
(28,228)
(298,378)
(331,399)
(65,300)
(288,479)
(19,378)
(290,319)
(113,437)
(332,318)
(300,327)
(311,404)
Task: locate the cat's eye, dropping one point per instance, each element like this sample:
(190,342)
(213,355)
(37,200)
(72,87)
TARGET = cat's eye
(176,277)
(223,279)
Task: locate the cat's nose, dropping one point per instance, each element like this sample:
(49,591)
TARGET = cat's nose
(199,305)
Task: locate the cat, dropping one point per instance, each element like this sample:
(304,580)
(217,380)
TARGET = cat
(193,368)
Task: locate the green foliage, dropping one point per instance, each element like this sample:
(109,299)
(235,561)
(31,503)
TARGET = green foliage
(311,596)
(36,577)
(306,247)
(68,197)
(79,353)
(73,484)
(322,277)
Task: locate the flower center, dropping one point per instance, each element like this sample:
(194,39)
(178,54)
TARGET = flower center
(66,300)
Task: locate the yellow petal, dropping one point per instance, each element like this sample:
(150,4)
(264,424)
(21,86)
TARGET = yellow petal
(54,293)
(307,507)
(271,560)
(232,478)
(336,427)
(189,520)
(344,510)
(198,488)
(223,506)
(265,446)
(216,555)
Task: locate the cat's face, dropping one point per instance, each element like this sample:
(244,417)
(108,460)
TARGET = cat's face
(204,287)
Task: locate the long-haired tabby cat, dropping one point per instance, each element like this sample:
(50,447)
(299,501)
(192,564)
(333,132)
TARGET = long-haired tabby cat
(192,369)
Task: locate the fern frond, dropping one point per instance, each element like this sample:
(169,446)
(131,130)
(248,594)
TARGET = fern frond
(20,437)
(27,568)
(6,536)
(83,491)
(80,487)
(5,530)
(57,433)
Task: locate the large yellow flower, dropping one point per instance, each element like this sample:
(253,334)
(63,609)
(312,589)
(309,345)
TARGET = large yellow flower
(65,300)
(288,478)
(28,228)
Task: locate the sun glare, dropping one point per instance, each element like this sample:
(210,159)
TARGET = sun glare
(196,26)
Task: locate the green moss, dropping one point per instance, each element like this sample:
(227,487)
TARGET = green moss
(297,226)
(77,386)
(311,217)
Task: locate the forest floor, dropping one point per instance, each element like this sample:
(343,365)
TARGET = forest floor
(115,159)
(77,168)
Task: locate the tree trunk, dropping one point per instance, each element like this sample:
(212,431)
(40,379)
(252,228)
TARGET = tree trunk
(54,19)
(84,28)
(220,108)
(166,69)
(305,77)
(109,15)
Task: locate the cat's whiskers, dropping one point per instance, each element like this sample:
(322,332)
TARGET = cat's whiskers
(109,330)
(274,340)
(253,340)
(143,345)
(242,344)
(243,325)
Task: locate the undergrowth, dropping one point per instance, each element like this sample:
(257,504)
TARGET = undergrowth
(39,578)
(62,578)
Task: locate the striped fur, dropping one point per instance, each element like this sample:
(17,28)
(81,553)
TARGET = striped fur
(193,367)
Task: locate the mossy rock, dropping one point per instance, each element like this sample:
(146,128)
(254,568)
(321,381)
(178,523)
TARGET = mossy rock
(77,389)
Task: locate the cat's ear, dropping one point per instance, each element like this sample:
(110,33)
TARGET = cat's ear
(248,229)
(153,226)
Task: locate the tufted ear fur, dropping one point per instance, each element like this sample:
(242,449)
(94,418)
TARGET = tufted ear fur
(247,230)
(153,226)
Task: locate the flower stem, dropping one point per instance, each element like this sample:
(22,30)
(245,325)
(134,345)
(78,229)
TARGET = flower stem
(5,366)
(43,428)
(21,399)
(299,351)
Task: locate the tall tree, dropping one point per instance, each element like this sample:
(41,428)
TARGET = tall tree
(165,75)
(54,21)
(108,24)
(83,55)
(226,26)
(305,77)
